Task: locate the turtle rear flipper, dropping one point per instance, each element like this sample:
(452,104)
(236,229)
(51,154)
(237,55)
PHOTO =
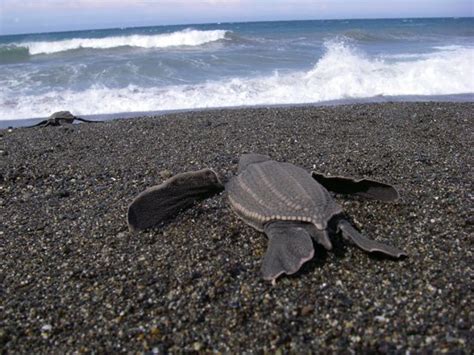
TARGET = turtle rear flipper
(368,245)
(163,201)
(365,187)
(289,247)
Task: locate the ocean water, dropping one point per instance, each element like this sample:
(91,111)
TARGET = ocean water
(233,64)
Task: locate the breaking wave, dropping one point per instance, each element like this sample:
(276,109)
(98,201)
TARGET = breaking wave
(343,72)
(13,54)
(187,37)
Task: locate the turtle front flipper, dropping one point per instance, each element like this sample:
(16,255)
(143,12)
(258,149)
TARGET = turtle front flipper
(161,202)
(368,245)
(289,247)
(366,188)
(41,123)
(86,120)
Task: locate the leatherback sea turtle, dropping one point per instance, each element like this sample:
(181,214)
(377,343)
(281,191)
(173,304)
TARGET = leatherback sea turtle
(59,118)
(282,200)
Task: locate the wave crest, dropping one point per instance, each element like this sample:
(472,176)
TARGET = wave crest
(342,73)
(187,37)
(13,54)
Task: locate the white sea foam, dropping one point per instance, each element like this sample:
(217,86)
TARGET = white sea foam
(452,47)
(342,73)
(187,37)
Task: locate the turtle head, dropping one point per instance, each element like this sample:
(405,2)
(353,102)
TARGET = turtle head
(247,159)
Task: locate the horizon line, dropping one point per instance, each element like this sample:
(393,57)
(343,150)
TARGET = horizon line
(235,22)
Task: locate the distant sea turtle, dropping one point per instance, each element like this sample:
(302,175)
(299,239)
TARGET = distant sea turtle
(282,200)
(59,118)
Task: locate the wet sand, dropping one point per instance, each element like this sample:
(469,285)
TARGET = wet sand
(72,278)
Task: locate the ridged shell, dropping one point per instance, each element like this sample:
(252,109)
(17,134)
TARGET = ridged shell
(273,191)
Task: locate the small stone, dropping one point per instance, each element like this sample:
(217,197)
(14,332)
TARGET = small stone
(306,310)
(166,174)
(154,332)
(469,221)
(197,346)
(63,193)
(3,337)
(355,338)
(46,328)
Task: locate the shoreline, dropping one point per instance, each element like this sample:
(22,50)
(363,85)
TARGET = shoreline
(455,98)
(74,279)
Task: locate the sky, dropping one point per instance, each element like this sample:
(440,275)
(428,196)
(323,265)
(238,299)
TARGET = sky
(32,16)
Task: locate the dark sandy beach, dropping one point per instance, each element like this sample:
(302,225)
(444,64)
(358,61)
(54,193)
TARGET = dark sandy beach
(72,278)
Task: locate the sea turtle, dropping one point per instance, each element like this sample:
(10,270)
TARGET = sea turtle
(59,118)
(284,201)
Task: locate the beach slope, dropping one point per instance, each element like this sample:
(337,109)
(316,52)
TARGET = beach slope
(72,277)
